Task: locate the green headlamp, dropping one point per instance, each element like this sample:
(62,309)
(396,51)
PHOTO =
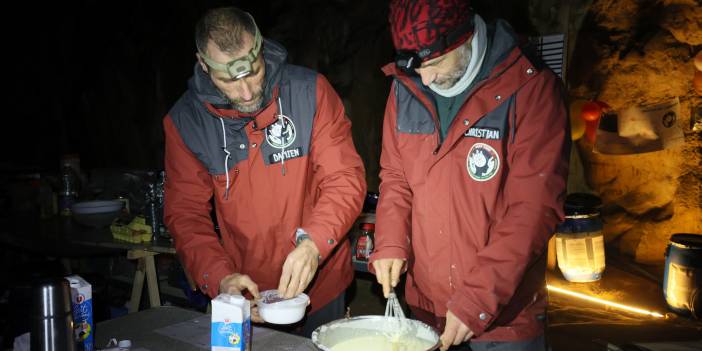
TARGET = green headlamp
(241,67)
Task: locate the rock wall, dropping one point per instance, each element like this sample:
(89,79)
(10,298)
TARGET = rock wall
(632,53)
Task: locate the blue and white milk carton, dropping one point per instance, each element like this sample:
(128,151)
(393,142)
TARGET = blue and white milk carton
(231,323)
(82,307)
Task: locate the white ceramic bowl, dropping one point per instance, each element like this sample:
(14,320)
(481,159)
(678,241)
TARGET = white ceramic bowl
(276,311)
(92,207)
(96,214)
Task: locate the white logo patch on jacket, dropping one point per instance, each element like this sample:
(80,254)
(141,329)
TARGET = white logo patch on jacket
(482,162)
(287,154)
(281,134)
(483,133)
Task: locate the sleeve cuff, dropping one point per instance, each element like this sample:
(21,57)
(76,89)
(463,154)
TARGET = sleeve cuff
(473,316)
(208,281)
(325,245)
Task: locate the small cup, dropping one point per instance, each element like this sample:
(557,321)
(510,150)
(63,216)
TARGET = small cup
(276,310)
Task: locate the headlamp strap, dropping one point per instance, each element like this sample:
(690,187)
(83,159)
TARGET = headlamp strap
(240,67)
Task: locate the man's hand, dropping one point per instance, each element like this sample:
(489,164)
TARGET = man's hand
(455,332)
(298,270)
(255,315)
(387,272)
(235,284)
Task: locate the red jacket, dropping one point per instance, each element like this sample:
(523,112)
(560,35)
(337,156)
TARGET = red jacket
(321,191)
(473,214)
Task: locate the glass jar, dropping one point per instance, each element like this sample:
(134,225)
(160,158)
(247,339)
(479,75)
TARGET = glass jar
(579,240)
(363,246)
(682,279)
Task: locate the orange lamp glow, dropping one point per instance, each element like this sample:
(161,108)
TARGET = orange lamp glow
(591,111)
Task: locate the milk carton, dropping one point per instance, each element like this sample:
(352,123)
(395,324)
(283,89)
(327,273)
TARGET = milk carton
(231,323)
(82,307)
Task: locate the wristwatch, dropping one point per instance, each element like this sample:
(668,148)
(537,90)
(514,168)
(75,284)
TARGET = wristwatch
(300,234)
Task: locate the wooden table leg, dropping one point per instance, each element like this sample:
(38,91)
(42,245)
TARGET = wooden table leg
(146,267)
(152,281)
(137,286)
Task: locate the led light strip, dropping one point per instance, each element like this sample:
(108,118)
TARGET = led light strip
(604,302)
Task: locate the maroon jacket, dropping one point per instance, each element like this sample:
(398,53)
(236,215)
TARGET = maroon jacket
(473,214)
(319,187)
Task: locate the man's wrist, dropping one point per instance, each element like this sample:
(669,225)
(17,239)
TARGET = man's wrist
(304,239)
(301,235)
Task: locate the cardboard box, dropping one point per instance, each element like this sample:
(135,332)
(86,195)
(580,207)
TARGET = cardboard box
(82,308)
(231,323)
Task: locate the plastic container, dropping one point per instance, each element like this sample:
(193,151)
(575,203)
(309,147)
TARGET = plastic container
(683,274)
(122,345)
(579,241)
(273,309)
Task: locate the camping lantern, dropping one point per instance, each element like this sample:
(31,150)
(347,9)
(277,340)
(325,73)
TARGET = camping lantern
(682,279)
(579,240)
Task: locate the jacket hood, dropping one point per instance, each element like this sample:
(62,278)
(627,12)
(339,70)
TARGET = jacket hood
(501,42)
(274,56)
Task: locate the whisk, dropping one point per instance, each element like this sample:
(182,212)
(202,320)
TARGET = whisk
(392,307)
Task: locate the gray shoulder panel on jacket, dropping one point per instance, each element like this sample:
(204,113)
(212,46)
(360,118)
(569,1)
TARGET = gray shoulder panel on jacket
(412,116)
(290,136)
(202,134)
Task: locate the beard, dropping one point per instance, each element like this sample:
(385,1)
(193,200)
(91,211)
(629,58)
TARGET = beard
(249,107)
(454,76)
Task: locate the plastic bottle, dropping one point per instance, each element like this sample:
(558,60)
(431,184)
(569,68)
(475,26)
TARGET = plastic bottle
(152,211)
(68,193)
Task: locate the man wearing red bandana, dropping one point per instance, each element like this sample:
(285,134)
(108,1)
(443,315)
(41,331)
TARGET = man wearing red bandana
(473,169)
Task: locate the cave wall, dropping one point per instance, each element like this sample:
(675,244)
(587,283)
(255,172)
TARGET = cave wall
(97,83)
(634,53)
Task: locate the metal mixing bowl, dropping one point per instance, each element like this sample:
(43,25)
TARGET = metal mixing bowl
(328,335)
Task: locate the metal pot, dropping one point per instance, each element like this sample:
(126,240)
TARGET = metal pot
(328,335)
